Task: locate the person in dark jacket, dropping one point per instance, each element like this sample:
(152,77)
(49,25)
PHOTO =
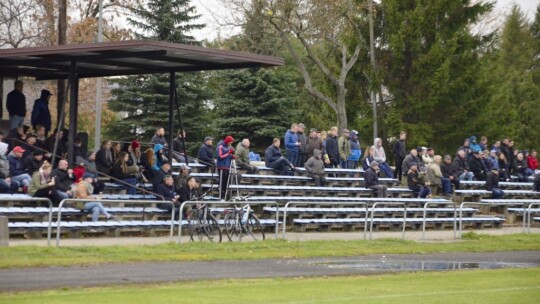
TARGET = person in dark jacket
(315,168)
(242,157)
(275,160)
(205,155)
(179,148)
(166,190)
(410,158)
(64,179)
(163,171)
(225,155)
(314,142)
(302,147)
(332,148)
(291,144)
(104,159)
(16,105)
(462,166)
(120,171)
(476,166)
(449,171)
(16,168)
(191,190)
(415,184)
(40,113)
(399,154)
(536,182)
(159,137)
(492,184)
(33,162)
(521,168)
(371,180)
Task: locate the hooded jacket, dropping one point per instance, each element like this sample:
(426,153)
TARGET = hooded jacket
(4,163)
(379,155)
(474,145)
(315,165)
(356,152)
(41,114)
(157,157)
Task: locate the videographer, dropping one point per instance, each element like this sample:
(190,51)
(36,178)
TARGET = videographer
(225,155)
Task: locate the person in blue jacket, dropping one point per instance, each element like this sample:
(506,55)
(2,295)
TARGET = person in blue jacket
(356,152)
(225,155)
(40,113)
(292,144)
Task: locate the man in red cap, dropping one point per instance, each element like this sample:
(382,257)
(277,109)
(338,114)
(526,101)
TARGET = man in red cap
(16,168)
(225,155)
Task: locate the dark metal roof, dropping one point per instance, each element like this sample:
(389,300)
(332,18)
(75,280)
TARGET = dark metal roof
(123,58)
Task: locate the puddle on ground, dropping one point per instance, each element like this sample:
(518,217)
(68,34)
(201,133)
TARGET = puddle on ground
(404,265)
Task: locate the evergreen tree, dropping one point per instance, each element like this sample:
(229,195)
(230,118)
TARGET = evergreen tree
(431,64)
(144,98)
(513,110)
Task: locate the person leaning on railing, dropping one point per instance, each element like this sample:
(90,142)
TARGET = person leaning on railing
(85,190)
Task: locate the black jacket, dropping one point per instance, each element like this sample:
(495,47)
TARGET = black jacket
(187,194)
(16,103)
(205,154)
(492,181)
(167,193)
(158,178)
(178,145)
(448,170)
(477,167)
(371,178)
(461,164)
(332,149)
(271,154)
(103,164)
(62,179)
(117,172)
(31,165)
(399,149)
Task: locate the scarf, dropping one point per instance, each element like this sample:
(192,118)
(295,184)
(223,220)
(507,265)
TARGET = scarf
(44,178)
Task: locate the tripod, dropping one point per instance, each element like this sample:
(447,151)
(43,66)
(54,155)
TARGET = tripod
(232,179)
(225,179)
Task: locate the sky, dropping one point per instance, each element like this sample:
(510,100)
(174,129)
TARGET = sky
(214,9)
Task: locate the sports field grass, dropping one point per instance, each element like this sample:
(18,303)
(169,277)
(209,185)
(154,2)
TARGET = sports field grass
(32,256)
(469,286)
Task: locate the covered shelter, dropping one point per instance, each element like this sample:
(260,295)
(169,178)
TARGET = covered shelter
(136,57)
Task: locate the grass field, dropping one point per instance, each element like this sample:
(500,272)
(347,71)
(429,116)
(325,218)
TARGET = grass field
(469,286)
(31,256)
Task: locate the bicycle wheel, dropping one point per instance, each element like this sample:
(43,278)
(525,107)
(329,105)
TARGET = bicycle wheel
(254,228)
(232,228)
(211,229)
(194,226)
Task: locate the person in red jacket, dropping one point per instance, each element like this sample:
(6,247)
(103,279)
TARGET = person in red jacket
(532,161)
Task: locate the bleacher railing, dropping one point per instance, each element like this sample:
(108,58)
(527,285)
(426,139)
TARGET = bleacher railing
(394,204)
(11,198)
(144,202)
(229,203)
(439,204)
(529,215)
(288,204)
(490,203)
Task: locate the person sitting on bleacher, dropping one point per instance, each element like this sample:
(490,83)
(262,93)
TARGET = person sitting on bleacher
(412,157)
(521,169)
(492,184)
(536,182)
(371,180)
(33,162)
(205,154)
(436,177)
(158,157)
(242,157)
(104,158)
(43,185)
(449,171)
(368,158)
(5,174)
(462,166)
(164,170)
(85,190)
(274,159)
(28,144)
(120,171)
(532,161)
(16,168)
(476,166)
(64,179)
(315,168)
(166,190)
(180,180)
(466,147)
(419,187)
(191,190)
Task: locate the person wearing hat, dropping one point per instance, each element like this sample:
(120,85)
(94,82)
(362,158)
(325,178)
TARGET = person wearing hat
(33,162)
(85,190)
(356,152)
(16,105)
(28,144)
(16,168)
(371,180)
(242,157)
(225,155)
(205,155)
(40,113)
(492,184)
(344,148)
(315,168)
(414,183)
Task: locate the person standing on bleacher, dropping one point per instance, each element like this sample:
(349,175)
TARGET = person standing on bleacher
(225,155)
(16,106)
(205,154)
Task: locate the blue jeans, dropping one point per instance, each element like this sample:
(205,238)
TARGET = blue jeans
(423,191)
(466,176)
(8,188)
(496,193)
(386,169)
(62,194)
(15,121)
(446,185)
(96,208)
(23,179)
(132,181)
(344,164)
(282,166)
(292,157)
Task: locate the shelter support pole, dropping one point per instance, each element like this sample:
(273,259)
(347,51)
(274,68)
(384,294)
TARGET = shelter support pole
(73,96)
(172,89)
(181,125)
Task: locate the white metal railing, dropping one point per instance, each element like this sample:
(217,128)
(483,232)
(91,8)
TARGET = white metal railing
(5,198)
(385,203)
(437,203)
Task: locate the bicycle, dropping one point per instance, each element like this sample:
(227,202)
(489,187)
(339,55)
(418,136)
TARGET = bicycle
(201,223)
(240,222)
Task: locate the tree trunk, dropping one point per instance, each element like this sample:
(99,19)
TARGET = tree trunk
(341,110)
